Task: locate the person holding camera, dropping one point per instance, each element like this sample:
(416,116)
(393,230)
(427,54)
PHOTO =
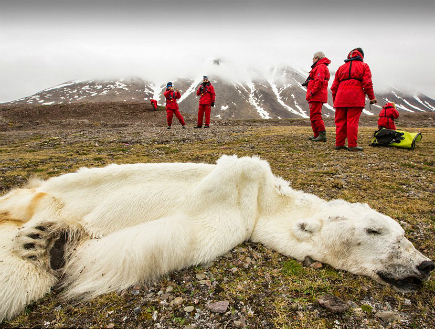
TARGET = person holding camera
(352,82)
(171,96)
(206,101)
(317,94)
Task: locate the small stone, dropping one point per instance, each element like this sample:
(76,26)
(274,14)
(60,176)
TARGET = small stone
(136,310)
(388,316)
(316,265)
(406,301)
(110,325)
(333,303)
(205,283)
(308,261)
(177,301)
(200,276)
(189,309)
(207,265)
(170,289)
(234,270)
(218,307)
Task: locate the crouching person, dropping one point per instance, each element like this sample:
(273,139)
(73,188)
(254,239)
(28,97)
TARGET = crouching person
(387,116)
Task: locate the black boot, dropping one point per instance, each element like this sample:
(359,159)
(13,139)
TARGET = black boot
(321,137)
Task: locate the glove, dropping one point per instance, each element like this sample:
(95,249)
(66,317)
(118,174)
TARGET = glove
(373,101)
(212,104)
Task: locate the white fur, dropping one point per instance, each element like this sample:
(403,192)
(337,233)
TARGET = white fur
(131,223)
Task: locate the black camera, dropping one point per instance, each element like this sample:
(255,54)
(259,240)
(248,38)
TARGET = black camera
(305,84)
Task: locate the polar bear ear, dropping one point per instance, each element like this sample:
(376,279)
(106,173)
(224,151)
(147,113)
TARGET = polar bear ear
(304,229)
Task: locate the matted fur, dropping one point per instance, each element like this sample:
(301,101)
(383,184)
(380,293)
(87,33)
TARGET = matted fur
(126,224)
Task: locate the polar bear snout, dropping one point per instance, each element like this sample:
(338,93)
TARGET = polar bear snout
(426,267)
(403,279)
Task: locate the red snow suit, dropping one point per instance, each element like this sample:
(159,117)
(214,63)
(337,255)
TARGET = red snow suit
(387,116)
(207,94)
(171,99)
(353,80)
(172,107)
(154,104)
(207,97)
(317,89)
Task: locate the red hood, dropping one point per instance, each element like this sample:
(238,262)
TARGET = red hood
(355,53)
(323,60)
(389,104)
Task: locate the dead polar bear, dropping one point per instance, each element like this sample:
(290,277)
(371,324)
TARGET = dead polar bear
(106,229)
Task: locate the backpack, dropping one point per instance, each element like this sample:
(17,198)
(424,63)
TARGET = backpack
(397,138)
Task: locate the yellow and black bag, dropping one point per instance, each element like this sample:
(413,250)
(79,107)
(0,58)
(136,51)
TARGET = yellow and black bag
(397,138)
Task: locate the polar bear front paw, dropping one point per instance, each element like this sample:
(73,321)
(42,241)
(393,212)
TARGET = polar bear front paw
(34,243)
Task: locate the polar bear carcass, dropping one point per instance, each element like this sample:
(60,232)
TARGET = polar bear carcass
(105,229)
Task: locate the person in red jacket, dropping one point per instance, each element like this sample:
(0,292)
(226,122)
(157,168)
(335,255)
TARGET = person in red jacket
(171,96)
(206,101)
(154,104)
(317,94)
(352,82)
(387,116)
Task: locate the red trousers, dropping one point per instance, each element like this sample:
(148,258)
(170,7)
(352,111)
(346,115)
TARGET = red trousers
(170,114)
(204,108)
(316,117)
(346,125)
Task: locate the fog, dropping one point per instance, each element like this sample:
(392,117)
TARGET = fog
(45,43)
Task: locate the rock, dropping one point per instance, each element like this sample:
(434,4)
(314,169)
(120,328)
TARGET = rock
(218,307)
(316,265)
(137,310)
(189,309)
(308,261)
(333,303)
(177,301)
(205,283)
(169,289)
(388,316)
(200,276)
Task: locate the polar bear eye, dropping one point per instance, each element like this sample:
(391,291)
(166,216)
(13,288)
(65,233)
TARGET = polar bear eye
(372,231)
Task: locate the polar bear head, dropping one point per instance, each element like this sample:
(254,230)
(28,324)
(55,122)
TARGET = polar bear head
(358,239)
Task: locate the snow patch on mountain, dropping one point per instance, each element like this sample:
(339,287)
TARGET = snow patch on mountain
(190,90)
(280,101)
(256,103)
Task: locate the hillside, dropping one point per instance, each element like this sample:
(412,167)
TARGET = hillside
(279,95)
(262,288)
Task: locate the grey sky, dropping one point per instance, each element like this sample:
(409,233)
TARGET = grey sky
(45,43)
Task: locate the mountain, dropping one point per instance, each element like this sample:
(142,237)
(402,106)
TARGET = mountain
(278,94)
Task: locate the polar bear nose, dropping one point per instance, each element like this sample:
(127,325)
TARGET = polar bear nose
(426,267)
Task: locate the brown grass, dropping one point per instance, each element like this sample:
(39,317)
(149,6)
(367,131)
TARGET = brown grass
(264,288)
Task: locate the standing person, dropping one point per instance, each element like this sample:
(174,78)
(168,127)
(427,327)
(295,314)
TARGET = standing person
(387,116)
(154,104)
(317,94)
(206,101)
(171,96)
(352,82)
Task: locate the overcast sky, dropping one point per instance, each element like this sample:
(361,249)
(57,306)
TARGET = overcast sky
(45,43)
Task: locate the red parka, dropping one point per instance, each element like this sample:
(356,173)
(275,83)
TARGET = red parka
(207,94)
(171,99)
(154,103)
(387,116)
(353,80)
(317,89)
